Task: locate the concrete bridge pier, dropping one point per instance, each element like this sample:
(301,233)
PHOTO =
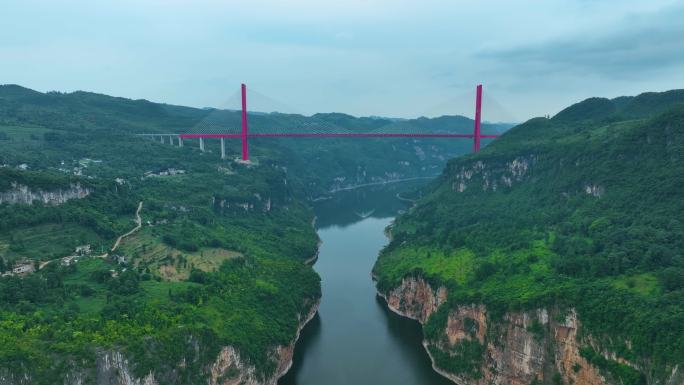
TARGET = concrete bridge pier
(201,144)
(223,148)
(161,139)
(180,141)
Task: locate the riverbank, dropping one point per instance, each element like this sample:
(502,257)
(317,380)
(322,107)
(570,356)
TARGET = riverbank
(420,319)
(311,260)
(292,346)
(399,312)
(355,339)
(231,368)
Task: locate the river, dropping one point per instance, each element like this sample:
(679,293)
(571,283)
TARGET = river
(355,339)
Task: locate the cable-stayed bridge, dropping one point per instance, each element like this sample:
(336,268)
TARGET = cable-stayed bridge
(222,124)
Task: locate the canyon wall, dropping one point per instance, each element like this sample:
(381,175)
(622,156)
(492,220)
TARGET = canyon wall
(230,369)
(21,194)
(539,346)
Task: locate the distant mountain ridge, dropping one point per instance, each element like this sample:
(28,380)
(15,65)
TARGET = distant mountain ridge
(83,116)
(644,105)
(62,103)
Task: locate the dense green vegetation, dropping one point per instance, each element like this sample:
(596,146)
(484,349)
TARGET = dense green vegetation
(234,235)
(219,258)
(71,312)
(40,128)
(38,180)
(583,210)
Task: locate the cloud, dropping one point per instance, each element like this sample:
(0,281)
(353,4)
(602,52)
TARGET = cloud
(373,57)
(636,47)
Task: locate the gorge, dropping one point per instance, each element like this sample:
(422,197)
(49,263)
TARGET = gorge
(553,256)
(355,339)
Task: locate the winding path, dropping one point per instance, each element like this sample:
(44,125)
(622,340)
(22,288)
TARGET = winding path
(138,222)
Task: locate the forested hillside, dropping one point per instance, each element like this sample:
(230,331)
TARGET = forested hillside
(79,119)
(578,214)
(216,261)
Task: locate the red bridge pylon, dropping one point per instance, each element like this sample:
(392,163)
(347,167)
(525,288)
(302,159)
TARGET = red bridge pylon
(245,135)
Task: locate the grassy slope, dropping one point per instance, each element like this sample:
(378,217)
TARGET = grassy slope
(544,240)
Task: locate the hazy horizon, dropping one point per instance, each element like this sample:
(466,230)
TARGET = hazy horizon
(364,58)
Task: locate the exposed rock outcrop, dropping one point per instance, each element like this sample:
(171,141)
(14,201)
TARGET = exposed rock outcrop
(111,368)
(114,369)
(230,369)
(491,176)
(21,194)
(415,299)
(521,348)
(520,353)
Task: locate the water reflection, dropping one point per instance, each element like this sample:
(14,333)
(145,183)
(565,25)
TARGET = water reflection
(309,337)
(409,336)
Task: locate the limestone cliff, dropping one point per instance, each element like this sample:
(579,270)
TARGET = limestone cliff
(521,348)
(21,194)
(230,369)
(415,299)
(111,368)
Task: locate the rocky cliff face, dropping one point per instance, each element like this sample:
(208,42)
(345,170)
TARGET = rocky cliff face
(415,299)
(20,194)
(537,346)
(521,348)
(113,368)
(492,176)
(230,369)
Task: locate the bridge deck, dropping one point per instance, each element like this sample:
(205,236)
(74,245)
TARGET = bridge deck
(334,135)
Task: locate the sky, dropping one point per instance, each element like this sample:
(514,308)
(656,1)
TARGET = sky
(363,57)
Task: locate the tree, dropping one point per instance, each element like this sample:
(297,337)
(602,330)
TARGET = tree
(672,278)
